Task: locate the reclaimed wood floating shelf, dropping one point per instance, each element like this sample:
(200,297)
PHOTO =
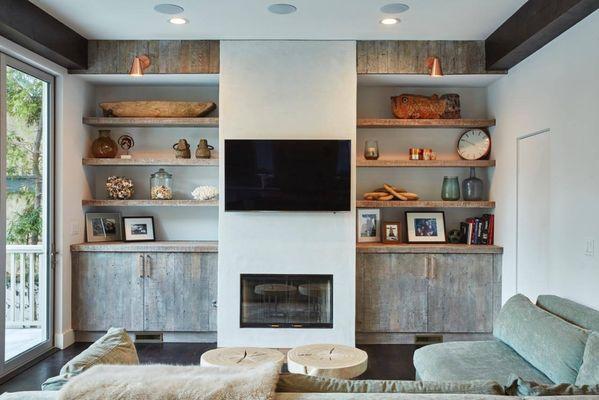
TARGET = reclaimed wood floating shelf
(159,246)
(205,122)
(424,123)
(150,203)
(202,162)
(425,163)
(424,204)
(428,248)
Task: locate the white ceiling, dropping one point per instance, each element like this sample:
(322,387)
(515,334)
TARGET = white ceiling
(315,19)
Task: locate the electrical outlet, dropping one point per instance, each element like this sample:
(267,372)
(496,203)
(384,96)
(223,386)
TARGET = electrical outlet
(75,229)
(589,248)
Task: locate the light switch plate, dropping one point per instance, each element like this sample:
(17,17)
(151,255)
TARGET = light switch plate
(589,248)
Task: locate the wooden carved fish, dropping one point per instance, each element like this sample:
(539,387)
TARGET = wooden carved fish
(413,106)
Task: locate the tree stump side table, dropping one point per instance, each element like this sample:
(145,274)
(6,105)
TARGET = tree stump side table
(332,360)
(240,356)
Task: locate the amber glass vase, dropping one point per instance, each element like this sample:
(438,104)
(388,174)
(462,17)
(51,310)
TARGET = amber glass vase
(104,146)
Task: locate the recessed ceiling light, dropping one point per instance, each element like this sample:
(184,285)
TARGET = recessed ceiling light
(395,8)
(178,21)
(170,9)
(282,8)
(389,21)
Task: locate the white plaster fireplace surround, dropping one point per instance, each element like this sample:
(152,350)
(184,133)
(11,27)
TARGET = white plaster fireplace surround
(286,90)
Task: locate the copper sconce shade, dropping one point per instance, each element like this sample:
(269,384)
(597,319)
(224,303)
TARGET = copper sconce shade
(434,66)
(140,64)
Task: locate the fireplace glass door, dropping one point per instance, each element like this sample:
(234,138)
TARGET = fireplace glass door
(286,301)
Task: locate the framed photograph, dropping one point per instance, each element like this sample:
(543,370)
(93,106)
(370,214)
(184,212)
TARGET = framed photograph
(391,232)
(139,229)
(103,227)
(369,220)
(426,227)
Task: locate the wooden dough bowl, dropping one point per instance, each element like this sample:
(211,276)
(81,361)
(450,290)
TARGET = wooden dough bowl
(156,109)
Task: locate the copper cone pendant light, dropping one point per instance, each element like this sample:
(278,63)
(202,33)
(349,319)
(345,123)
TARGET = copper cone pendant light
(434,66)
(140,64)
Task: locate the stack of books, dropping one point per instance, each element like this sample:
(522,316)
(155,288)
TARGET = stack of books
(478,230)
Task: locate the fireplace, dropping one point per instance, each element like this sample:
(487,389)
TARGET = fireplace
(286,301)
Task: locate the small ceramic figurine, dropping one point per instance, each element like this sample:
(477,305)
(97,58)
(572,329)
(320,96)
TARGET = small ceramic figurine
(203,150)
(126,142)
(182,149)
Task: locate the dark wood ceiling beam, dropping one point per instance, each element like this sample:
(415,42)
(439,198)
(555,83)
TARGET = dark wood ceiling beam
(534,25)
(31,27)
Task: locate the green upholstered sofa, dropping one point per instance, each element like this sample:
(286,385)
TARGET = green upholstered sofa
(544,343)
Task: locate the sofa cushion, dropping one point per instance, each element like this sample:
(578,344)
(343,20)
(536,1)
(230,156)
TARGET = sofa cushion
(521,387)
(552,345)
(482,360)
(571,311)
(115,347)
(297,383)
(589,371)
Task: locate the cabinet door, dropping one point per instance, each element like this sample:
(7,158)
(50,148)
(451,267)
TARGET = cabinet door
(179,290)
(392,293)
(460,295)
(107,291)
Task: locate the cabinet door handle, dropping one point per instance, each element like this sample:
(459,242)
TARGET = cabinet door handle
(433,264)
(426,262)
(148,266)
(140,266)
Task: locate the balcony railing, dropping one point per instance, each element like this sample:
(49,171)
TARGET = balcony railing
(23,291)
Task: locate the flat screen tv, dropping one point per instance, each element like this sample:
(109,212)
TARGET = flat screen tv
(287,175)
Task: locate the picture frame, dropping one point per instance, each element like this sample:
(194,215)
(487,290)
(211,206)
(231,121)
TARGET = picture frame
(103,227)
(426,227)
(139,229)
(368,225)
(391,232)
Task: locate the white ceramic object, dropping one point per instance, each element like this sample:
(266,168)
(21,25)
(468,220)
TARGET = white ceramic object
(205,193)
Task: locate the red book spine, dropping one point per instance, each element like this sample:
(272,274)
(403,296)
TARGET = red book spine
(492,229)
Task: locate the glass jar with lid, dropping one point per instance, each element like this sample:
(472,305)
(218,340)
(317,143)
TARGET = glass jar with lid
(161,185)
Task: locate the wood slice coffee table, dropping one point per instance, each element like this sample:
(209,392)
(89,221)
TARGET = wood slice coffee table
(240,356)
(332,360)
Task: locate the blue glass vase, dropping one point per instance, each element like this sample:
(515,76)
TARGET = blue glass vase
(472,188)
(450,191)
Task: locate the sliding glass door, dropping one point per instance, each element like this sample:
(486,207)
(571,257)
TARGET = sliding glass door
(26,131)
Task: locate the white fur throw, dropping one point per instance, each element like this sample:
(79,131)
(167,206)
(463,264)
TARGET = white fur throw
(167,382)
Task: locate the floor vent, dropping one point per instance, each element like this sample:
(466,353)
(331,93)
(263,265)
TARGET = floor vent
(148,338)
(422,340)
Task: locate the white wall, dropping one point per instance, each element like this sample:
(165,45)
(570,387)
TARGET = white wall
(74,98)
(556,88)
(284,90)
(171,223)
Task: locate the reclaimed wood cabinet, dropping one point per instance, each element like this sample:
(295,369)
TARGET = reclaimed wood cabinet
(427,293)
(144,291)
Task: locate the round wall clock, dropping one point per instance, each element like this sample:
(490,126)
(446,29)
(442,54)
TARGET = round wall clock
(474,144)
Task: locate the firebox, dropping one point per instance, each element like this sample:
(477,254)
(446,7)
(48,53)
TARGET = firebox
(286,301)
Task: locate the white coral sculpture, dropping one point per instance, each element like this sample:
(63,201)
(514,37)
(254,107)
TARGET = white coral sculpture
(205,193)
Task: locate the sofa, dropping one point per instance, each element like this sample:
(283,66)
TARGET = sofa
(546,343)
(535,347)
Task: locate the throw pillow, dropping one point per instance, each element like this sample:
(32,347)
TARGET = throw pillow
(589,371)
(296,383)
(115,347)
(520,387)
(530,331)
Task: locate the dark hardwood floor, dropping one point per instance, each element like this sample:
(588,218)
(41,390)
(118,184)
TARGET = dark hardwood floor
(385,361)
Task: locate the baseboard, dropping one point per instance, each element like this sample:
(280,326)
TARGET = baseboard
(167,337)
(64,339)
(409,338)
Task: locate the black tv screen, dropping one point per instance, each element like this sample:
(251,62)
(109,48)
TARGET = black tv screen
(287,175)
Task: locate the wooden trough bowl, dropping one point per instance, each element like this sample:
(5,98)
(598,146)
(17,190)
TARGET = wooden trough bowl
(157,109)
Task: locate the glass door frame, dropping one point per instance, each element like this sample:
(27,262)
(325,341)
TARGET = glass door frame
(41,348)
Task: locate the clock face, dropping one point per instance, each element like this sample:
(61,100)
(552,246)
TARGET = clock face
(474,144)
